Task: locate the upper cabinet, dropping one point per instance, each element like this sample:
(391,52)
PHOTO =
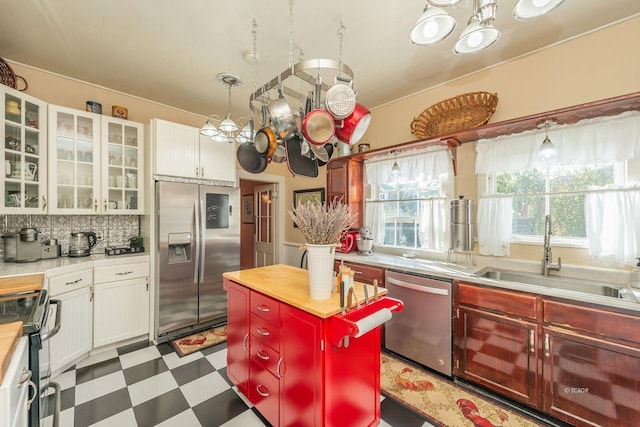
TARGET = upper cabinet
(94,163)
(181,151)
(122,171)
(344,183)
(23,186)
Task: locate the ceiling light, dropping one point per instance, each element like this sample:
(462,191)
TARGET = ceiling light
(226,128)
(435,24)
(529,9)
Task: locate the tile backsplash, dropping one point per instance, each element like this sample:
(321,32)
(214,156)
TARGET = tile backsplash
(116,229)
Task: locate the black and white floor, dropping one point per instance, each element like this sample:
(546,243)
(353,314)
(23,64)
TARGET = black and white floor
(142,385)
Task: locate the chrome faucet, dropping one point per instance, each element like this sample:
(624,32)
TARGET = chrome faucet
(547,256)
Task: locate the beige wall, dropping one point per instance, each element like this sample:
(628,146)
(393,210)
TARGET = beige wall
(586,69)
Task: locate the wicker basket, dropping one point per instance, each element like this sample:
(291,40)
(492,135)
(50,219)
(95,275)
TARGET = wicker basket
(454,114)
(8,78)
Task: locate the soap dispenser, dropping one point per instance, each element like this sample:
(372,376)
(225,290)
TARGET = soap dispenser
(634,279)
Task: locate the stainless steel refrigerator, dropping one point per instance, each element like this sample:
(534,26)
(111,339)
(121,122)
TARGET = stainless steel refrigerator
(199,239)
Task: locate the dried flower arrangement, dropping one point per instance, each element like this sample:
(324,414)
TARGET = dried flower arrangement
(322,224)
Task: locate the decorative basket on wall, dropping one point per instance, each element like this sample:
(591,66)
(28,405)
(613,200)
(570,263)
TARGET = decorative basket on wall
(455,114)
(7,77)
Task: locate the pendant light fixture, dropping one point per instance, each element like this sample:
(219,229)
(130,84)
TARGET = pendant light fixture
(435,24)
(226,129)
(547,151)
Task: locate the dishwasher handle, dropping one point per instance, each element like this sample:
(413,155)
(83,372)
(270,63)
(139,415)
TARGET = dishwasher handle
(419,288)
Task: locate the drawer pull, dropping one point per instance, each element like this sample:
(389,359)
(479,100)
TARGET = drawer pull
(264,308)
(278,373)
(74,282)
(262,355)
(124,273)
(546,345)
(263,331)
(532,341)
(262,393)
(244,343)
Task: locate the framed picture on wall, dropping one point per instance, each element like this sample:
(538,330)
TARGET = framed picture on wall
(315,195)
(247,209)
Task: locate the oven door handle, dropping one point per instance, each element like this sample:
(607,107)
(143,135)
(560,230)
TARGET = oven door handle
(415,287)
(51,332)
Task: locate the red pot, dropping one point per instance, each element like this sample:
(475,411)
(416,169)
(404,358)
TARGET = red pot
(351,129)
(318,127)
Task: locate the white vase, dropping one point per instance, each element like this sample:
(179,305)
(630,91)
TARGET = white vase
(320,265)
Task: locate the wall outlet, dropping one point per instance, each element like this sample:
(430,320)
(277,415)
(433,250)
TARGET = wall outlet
(99,235)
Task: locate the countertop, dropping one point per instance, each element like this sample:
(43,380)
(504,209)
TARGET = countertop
(452,271)
(9,334)
(291,285)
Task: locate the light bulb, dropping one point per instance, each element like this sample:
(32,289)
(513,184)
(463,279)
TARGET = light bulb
(540,3)
(430,29)
(475,39)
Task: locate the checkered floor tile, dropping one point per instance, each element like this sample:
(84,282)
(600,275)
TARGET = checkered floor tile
(147,385)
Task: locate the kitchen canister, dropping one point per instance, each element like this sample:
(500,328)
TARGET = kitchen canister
(119,111)
(94,107)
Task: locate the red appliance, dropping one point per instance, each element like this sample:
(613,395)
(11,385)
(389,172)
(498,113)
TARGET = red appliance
(348,242)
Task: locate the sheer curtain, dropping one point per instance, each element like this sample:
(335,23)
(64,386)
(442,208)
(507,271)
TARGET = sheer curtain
(415,166)
(602,139)
(613,226)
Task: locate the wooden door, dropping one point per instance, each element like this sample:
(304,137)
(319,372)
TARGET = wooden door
(265,225)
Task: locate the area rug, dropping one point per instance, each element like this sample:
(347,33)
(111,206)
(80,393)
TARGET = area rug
(443,403)
(199,341)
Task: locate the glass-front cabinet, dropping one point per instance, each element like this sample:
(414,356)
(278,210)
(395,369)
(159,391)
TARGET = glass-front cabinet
(122,173)
(74,161)
(25,153)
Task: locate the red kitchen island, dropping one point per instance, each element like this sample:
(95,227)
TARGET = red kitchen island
(300,361)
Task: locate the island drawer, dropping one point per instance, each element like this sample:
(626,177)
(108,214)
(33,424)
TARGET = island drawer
(70,281)
(267,331)
(264,354)
(265,307)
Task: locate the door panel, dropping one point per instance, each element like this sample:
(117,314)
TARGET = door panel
(265,225)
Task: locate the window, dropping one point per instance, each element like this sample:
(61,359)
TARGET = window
(558,191)
(408,211)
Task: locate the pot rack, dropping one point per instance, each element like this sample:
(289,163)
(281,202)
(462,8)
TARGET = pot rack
(304,73)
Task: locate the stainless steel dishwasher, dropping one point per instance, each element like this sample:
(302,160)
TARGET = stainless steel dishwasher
(422,331)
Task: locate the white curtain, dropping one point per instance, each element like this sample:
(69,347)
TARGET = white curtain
(613,225)
(495,216)
(603,139)
(416,165)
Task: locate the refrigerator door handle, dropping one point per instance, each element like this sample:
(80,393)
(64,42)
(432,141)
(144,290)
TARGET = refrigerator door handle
(196,224)
(203,219)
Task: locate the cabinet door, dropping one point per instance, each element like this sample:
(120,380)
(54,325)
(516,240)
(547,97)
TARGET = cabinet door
(123,166)
(129,320)
(176,149)
(74,161)
(73,341)
(238,335)
(14,390)
(23,184)
(498,352)
(590,379)
(301,368)
(344,182)
(217,160)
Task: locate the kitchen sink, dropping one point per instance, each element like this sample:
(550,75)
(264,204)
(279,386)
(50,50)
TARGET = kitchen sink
(575,285)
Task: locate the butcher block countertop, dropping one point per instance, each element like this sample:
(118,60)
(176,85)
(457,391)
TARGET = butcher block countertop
(9,334)
(27,282)
(291,286)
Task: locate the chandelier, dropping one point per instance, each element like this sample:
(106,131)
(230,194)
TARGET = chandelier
(226,130)
(435,24)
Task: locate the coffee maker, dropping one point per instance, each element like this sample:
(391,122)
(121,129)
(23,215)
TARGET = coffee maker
(22,246)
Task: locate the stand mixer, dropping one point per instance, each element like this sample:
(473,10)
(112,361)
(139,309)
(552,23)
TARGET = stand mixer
(364,241)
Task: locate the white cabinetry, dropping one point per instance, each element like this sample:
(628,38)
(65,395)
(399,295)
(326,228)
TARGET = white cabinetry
(14,389)
(23,131)
(73,341)
(181,151)
(95,163)
(121,304)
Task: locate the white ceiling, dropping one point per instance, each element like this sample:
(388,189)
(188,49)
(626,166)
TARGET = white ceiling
(171,52)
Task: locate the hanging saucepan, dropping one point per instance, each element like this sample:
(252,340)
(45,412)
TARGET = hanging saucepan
(328,147)
(351,129)
(341,99)
(266,142)
(284,121)
(320,153)
(249,158)
(318,126)
(280,155)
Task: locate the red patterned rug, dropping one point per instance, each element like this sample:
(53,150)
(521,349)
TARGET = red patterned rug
(441,402)
(199,341)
